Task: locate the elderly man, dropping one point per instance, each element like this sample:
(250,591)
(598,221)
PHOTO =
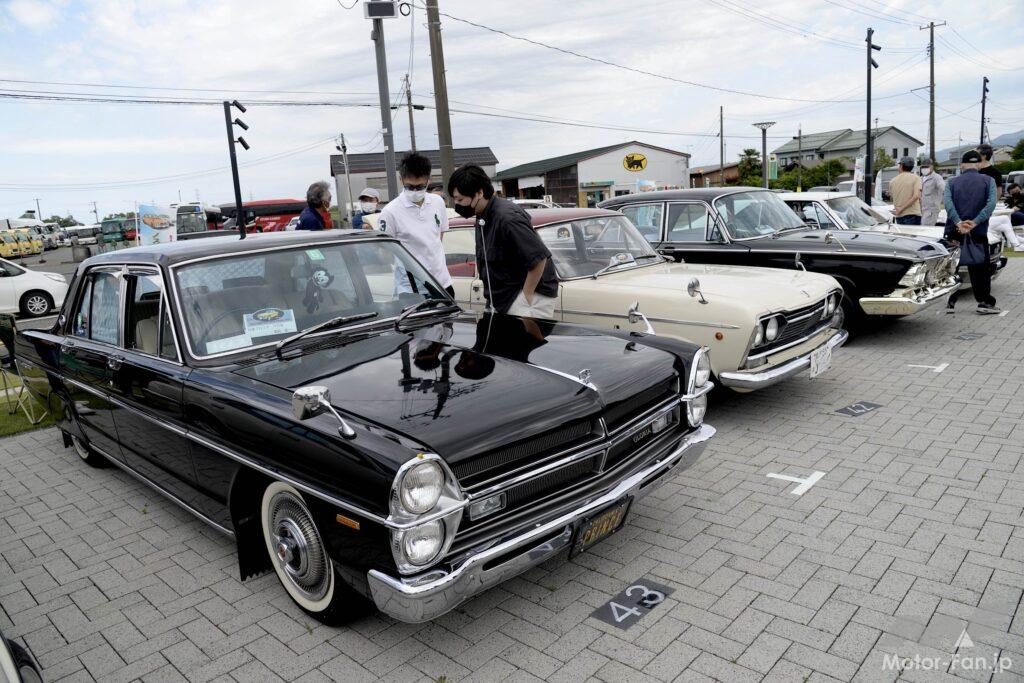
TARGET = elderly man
(933,187)
(906,194)
(970,199)
(316,215)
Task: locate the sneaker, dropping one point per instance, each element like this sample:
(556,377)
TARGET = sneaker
(950,309)
(988,309)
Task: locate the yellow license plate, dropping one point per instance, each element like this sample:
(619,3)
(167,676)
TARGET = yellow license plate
(600,526)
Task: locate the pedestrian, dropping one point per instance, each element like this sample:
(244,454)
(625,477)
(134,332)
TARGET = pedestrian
(905,189)
(369,203)
(932,189)
(1002,225)
(1015,200)
(417,219)
(316,215)
(970,199)
(515,267)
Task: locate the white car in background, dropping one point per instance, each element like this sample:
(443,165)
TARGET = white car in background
(292,224)
(32,293)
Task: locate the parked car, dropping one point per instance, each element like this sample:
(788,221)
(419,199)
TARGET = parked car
(292,224)
(30,292)
(318,397)
(17,665)
(890,275)
(535,204)
(62,238)
(86,234)
(841,211)
(761,325)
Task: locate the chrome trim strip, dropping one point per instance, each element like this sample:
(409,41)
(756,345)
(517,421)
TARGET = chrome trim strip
(435,592)
(566,375)
(164,492)
(596,441)
(759,380)
(672,321)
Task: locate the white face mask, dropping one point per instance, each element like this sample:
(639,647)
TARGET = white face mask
(415,196)
(926,171)
(368,207)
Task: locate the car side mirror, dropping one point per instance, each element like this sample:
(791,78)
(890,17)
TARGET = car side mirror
(634,315)
(312,400)
(693,289)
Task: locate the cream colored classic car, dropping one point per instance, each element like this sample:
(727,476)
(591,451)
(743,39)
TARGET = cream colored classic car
(761,325)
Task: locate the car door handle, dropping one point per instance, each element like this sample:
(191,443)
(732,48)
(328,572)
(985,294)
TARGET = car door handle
(476,288)
(114,362)
(67,347)
(667,250)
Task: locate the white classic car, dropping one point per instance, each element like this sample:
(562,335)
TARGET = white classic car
(761,325)
(844,211)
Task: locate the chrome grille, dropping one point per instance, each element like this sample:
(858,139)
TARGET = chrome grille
(799,323)
(522,453)
(536,488)
(621,413)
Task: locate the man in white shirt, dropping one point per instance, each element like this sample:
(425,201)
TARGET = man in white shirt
(417,219)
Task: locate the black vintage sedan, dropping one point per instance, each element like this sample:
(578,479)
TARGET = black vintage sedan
(320,399)
(881,274)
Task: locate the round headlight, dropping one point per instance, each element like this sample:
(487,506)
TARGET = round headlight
(695,410)
(758,335)
(702,373)
(421,487)
(771,329)
(830,305)
(421,544)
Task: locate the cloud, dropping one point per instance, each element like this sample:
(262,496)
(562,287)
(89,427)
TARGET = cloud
(33,14)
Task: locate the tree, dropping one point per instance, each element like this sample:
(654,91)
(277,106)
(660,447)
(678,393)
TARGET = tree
(750,167)
(64,222)
(882,160)
(823,173)
(119,214)
(1018,150)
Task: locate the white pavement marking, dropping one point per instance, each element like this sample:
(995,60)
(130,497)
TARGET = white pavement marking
(1003,314)
(933,368)
(805,484)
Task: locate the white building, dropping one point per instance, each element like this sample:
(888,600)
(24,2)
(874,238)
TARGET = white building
(368,169)
(846,143)
(588,177)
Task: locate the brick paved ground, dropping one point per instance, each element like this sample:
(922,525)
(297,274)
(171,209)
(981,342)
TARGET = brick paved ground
(914,534)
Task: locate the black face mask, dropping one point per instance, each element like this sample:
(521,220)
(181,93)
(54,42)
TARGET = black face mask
(465,210)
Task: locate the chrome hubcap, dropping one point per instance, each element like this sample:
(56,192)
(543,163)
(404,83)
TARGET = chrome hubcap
(297,548)
(36,304)
(80,448)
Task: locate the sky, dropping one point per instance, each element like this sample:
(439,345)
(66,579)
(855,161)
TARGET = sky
(773,60)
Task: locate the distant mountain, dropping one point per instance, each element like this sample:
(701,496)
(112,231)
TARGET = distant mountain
(1008,138)
(1004,139)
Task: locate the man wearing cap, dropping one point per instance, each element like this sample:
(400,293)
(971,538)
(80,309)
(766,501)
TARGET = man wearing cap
(369,199)
(905,189)
(970,199)
(932,189)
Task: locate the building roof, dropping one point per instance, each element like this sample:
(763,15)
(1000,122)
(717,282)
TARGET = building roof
(374,161)
(712,168)
(836,140)
(544,165)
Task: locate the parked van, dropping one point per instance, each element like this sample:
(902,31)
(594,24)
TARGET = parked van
(86,234)
(24,242)
(35,240)
(9,247)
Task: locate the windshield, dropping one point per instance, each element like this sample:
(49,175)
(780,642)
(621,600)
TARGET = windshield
(191,222)
(111,226)
(756,214)
(855,213)
(581,248)
(252,300)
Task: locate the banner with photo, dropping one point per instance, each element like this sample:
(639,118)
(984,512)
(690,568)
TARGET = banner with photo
(156,224)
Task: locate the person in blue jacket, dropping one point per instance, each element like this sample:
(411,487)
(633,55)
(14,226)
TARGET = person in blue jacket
(970,199)
(316,215)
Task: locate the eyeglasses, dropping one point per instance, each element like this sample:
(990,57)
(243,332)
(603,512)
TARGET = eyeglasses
(415,188)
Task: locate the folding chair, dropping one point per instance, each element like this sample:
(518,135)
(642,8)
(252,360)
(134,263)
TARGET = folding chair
(12,378)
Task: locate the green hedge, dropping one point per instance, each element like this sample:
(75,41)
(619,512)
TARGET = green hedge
(1007,166)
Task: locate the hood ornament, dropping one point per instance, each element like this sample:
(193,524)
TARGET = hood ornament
(584,376)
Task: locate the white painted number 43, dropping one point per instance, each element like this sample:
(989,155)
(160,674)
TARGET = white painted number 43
(649,598)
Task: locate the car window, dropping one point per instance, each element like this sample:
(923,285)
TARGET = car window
(756,214)
(855,212)
(687,223)
(583,247)
(97,314)
(823,218)
(460,252)
(646,218)
(236,302)
(147,329)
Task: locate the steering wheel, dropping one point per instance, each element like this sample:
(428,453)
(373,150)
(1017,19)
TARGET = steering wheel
(209,328)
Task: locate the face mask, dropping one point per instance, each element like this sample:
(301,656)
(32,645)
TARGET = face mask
(368,207)
(465,210)
(415,196)
(926,171)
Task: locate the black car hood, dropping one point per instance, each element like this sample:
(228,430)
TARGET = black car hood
(854,241)
(465,387)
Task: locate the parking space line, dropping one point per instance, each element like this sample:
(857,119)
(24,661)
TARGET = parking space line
(805,484)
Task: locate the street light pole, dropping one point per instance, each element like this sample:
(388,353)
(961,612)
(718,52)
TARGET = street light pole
(39,212)
(377,35)
(229,124)
(931,87)
(348,178)
(764,126)
(869,139)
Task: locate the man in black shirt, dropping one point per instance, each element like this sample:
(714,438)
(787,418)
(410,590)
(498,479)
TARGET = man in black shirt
(988,169)
(1002,225)
(512,261)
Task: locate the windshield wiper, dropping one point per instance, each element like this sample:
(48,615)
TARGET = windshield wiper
(326,325)
(610,266)
(409,310)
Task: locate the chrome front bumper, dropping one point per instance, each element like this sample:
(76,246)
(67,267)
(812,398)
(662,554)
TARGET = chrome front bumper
(905,305)
(422,598)
(760,380)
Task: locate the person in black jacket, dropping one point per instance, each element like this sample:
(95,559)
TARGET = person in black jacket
(970,199)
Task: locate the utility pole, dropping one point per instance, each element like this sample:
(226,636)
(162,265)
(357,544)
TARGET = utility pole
(343,146)
(931,87)
(408,102)
(96,213)
(959,152)
(869,138)
(721,145)
(984,96)
(39,212)
(764,126)
(377,35)
(228,123)
(800,158)
(444,122)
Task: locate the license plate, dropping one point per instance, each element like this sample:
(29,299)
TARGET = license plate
(600,526)
(821,359)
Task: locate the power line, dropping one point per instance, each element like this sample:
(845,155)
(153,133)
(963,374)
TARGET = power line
(980,52)
(868,12)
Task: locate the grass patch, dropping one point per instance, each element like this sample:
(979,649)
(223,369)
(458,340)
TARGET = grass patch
(1010,253)
(17,423)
